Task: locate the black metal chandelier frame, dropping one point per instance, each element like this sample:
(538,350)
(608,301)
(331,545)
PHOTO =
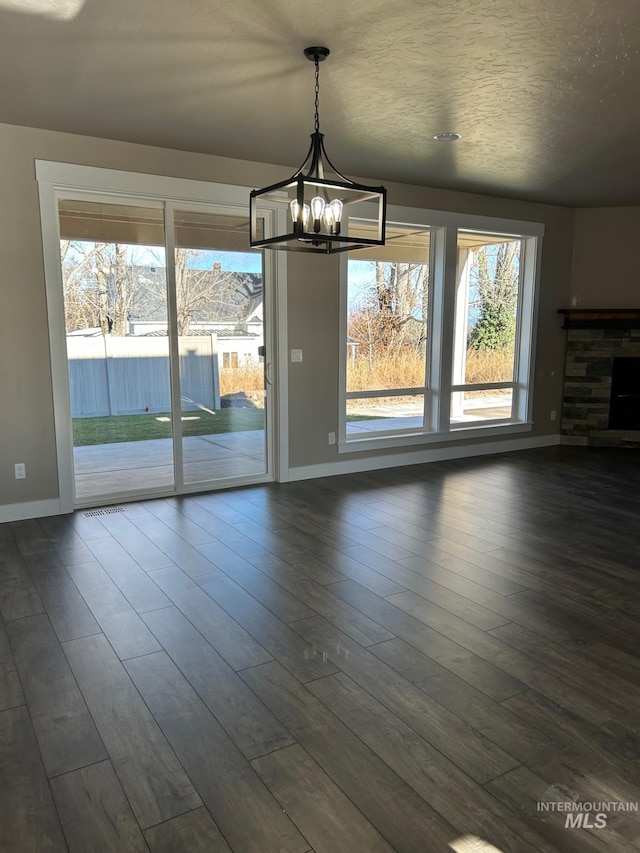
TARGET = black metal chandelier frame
(315,220)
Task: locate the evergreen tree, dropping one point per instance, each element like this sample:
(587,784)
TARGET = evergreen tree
(495,329)
(495,276)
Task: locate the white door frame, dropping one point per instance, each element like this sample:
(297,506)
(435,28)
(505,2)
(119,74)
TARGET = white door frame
(57,179)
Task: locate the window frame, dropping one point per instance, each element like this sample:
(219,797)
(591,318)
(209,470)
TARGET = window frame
(438,389)
(418,390)
(490,386)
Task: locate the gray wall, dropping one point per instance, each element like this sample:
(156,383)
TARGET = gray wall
(605,258)
(26,406)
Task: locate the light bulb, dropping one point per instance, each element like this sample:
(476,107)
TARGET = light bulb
(317,209)
(306,213)
(336,210)
(327,218)
(294,207)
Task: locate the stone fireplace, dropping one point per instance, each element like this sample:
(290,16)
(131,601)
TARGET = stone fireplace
(598,340)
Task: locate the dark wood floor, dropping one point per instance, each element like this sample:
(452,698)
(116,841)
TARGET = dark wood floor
(405,660)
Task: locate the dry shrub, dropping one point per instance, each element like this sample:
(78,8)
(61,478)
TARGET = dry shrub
(406,369)
(402,370)
(247,377)
(486,365)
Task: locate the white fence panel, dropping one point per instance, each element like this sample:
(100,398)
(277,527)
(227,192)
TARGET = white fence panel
(127,376)
(88,377)
(199,377)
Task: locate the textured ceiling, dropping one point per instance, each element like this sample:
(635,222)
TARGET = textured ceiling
(544,92)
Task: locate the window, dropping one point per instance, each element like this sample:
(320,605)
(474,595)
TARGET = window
(229,360)
(387,305)
(437,327)
(485,326)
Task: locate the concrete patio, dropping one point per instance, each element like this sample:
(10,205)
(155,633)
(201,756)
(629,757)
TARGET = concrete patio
(102,469)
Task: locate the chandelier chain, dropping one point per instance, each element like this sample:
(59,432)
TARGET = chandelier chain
(317,91)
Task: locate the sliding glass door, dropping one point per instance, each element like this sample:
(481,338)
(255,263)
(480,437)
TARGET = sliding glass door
(220,330)
(165,340)
(114,278)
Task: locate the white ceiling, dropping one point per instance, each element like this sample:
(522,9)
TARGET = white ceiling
(544,92)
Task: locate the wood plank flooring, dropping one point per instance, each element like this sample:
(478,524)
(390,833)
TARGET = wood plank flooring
(407,660)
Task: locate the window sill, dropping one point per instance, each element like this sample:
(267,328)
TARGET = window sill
(358,445)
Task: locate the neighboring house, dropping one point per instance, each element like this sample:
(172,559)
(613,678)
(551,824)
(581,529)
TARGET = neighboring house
(227,299)
(233,312)
(238,327)
(235,346)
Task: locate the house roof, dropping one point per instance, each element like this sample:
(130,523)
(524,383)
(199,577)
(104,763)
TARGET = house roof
(194,333)
(544,92)
(214,296)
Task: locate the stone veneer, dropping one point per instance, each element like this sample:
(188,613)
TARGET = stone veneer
(587,386)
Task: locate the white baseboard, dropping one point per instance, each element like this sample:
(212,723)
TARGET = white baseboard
(418,457)
(29,509)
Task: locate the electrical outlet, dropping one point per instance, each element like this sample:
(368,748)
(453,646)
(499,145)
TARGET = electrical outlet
(21,471)
(553,415)
(332,438)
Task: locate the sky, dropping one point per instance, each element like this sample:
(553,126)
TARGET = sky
(232,261)
(360,271)
(153,256)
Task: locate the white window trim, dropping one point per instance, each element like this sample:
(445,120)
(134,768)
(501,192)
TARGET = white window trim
(443,270)
(55,179)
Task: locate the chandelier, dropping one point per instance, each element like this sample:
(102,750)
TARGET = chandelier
(321,209)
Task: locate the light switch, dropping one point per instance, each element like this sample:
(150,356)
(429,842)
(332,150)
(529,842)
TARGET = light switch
(296,355)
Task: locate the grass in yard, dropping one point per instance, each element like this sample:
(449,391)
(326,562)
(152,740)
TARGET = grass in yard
(112,429)
(402,370)
(363,418)
(116,428)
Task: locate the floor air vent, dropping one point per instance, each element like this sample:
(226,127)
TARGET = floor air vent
(107,511)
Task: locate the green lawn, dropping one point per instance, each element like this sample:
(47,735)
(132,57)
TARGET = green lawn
(111,429)
(115,428)
(363,418)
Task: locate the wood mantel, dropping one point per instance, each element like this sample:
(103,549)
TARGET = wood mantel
(600,318)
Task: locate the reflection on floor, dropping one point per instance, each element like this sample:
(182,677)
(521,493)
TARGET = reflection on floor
(102,469)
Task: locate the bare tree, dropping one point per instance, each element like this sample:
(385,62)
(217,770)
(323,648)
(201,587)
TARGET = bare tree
(100,286)
(81,302)
(103,287)
(392,313)
(119,286)
(206,294)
